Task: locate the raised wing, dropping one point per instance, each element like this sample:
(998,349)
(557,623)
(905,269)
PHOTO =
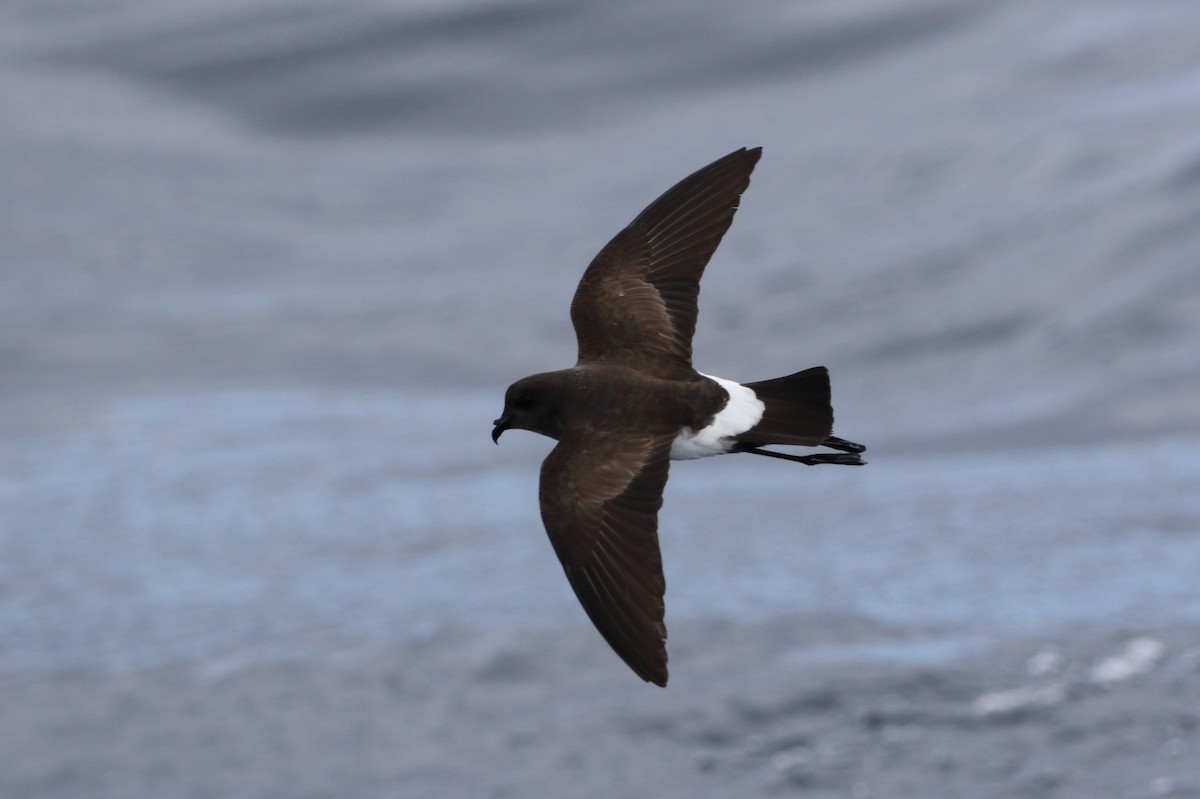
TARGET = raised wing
(600,495)
(636,303)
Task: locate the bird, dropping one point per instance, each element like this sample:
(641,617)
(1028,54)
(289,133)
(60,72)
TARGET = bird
(633,402)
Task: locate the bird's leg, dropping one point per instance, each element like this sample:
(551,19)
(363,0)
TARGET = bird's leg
(833,442)
(843,459)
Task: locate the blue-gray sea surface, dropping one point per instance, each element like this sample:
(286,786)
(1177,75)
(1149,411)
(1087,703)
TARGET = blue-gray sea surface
(266,269)
(179,527)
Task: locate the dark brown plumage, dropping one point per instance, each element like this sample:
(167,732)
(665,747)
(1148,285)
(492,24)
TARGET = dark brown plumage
(636,303)
(633,401)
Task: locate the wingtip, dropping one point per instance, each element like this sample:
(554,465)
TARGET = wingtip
(651,668)
(656,671)
(657,675)
(751,153)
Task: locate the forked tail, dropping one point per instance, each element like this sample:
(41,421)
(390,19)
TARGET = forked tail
(798,412)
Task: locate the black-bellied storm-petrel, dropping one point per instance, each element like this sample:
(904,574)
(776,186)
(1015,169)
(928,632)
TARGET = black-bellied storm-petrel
(633,402)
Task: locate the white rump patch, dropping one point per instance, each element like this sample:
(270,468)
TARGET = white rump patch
(741,413)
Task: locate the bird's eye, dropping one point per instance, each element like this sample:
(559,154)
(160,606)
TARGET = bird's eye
(523,401)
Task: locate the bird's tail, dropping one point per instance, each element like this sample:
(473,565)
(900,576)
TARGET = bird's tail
(798,412)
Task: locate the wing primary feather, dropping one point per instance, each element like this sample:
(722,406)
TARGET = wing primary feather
(600,498)
(699,200)
(609,615)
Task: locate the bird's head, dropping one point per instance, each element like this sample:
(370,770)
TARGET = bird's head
(532,403)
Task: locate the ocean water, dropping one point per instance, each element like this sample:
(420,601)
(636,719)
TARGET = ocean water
(266,269)
(273,522)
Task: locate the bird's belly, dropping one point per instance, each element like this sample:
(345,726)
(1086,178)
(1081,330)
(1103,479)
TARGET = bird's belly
(743,411)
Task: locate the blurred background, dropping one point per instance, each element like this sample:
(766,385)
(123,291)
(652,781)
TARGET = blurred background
(267,267)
